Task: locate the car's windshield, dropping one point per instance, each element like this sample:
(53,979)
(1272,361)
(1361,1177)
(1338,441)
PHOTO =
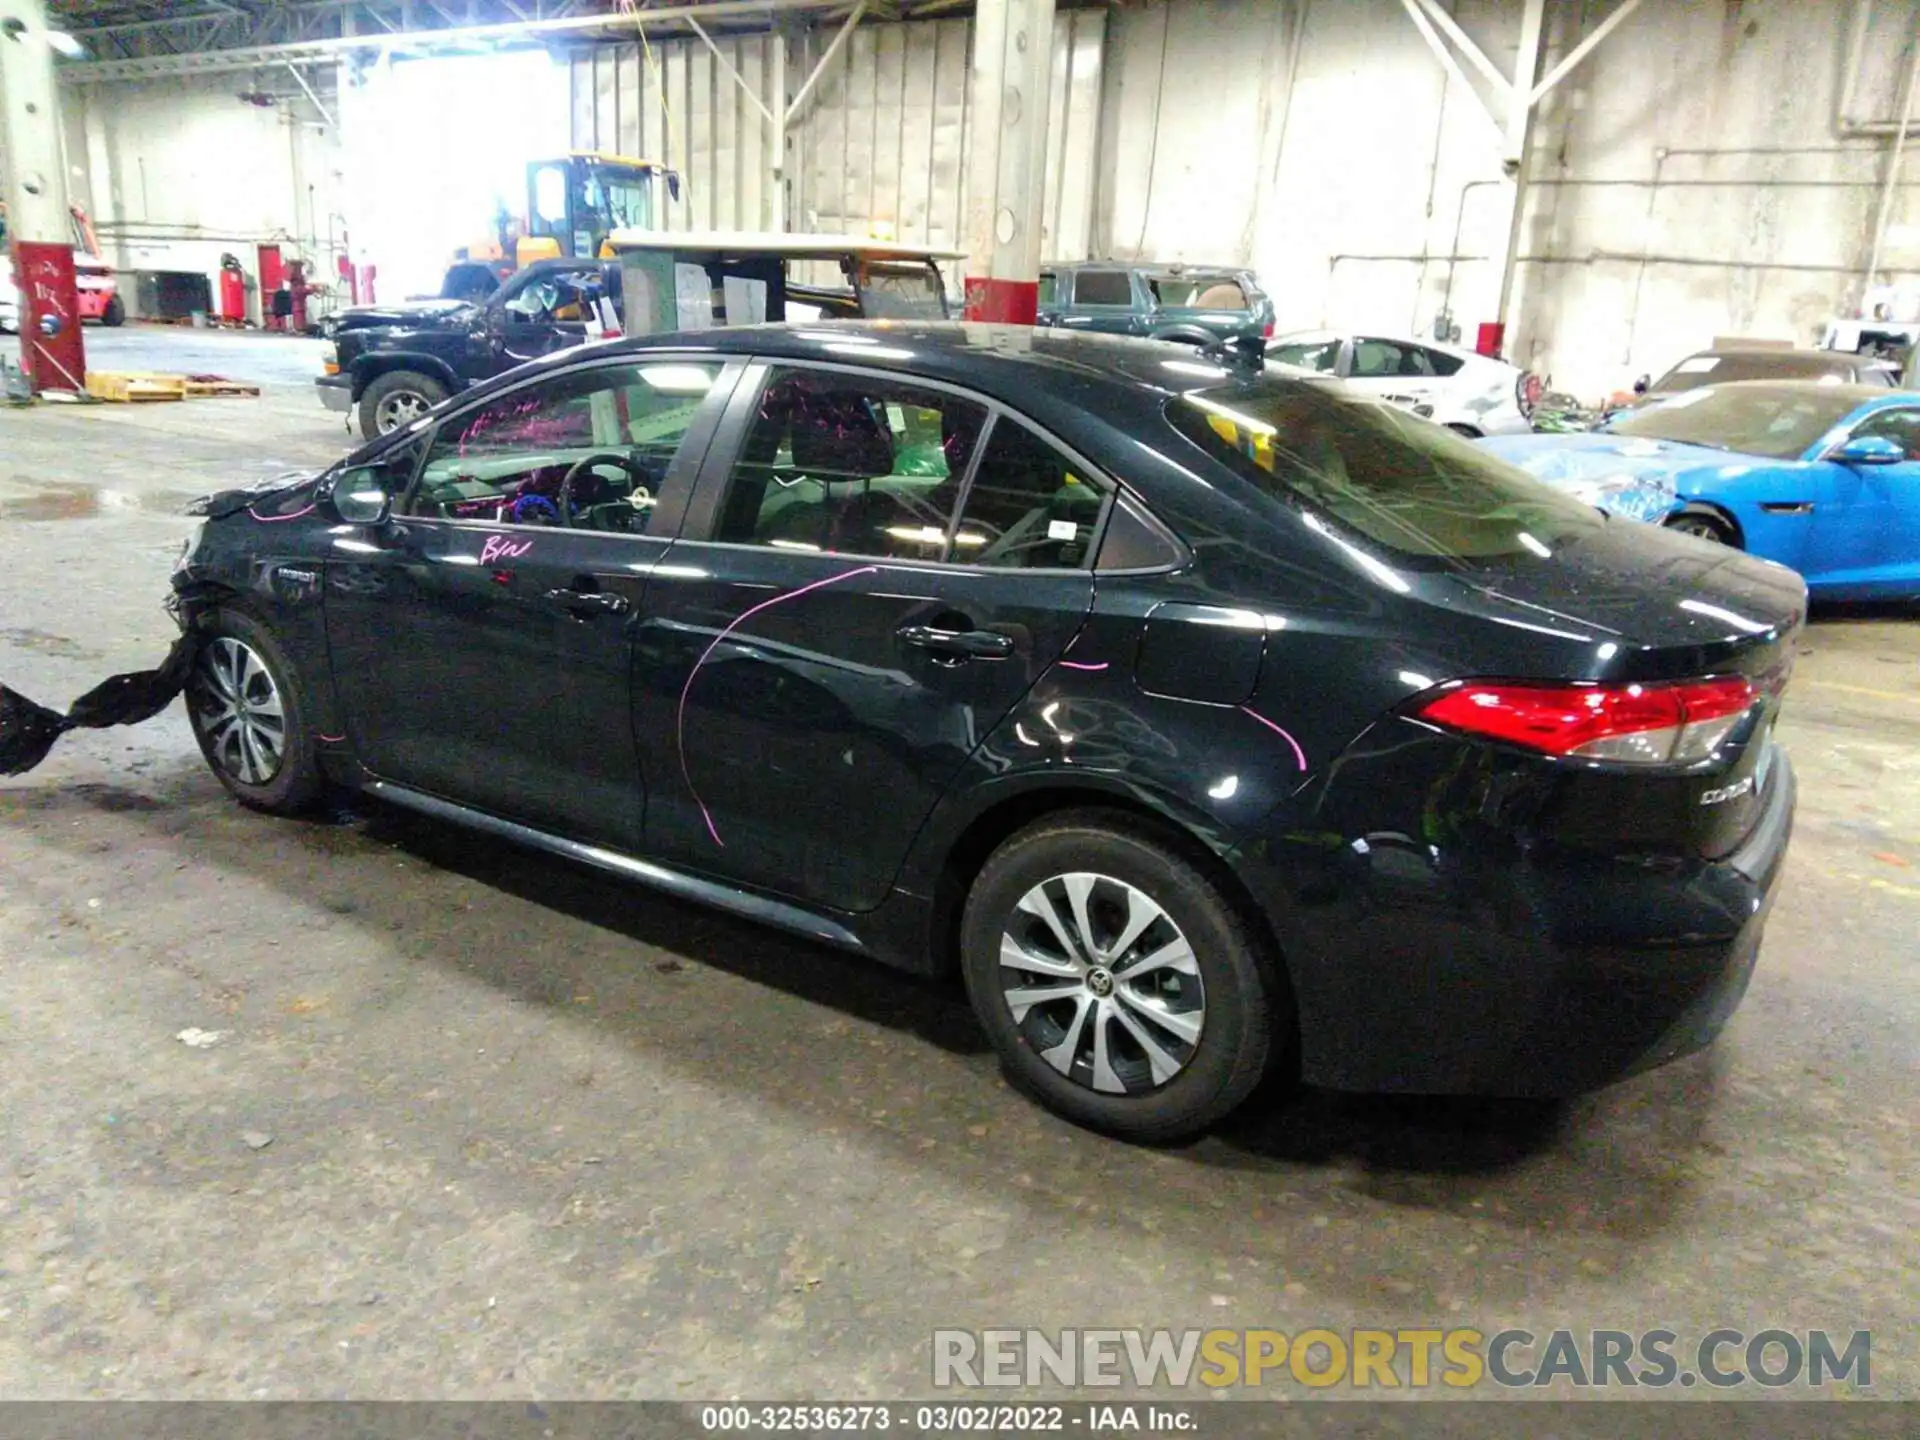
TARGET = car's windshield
(616,200)
(1411,486)
(1777,421)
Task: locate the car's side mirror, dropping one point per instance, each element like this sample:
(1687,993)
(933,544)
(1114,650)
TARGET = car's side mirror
(360,497)
(1868,450)
(1642,385)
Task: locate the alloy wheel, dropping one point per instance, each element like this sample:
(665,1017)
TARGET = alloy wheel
(239,709)
(402,407)
(1102,983)
(1698,526)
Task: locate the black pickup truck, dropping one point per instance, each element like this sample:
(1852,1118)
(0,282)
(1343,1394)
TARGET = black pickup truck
(393,363)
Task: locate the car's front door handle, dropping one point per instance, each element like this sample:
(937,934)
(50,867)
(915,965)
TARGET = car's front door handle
(958,644)
(599,600)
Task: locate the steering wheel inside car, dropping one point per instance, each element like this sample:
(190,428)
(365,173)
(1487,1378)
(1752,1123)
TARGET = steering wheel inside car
(625,512)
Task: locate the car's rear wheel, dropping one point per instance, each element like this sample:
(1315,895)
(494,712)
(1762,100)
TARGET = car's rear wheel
(115,313)
(397,398)
(249,711)
(1120,986)
(1466,432)
(1703,525)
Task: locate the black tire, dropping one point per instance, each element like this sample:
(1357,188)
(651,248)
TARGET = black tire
(1243,1007)
(292,781)
(396,398)
(1703,524)
(1467,431)
(115,315)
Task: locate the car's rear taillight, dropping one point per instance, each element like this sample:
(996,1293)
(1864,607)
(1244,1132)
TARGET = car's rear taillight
(1527,391)
(1266,331)
(1631,724)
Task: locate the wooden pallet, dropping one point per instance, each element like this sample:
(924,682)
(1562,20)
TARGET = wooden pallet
(216,387)
(135,388)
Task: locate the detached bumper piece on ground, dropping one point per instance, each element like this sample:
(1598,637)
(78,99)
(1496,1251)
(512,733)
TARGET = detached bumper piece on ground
(29,731)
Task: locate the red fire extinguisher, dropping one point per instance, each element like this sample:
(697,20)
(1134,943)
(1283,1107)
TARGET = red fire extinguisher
(233,291)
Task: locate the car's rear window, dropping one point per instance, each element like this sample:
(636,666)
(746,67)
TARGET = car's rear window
(1408,485)
(1198,292)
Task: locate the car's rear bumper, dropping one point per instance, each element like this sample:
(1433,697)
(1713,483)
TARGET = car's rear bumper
(336,391)
(1529,977)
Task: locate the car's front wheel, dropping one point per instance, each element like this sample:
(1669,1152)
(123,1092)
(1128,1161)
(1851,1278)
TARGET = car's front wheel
(1703,525)
(1118,983)
(250,713)
(397,398)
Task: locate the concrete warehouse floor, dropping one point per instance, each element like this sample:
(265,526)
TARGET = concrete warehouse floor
(536,1133)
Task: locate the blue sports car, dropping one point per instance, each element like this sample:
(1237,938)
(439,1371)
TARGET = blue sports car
(1820,477)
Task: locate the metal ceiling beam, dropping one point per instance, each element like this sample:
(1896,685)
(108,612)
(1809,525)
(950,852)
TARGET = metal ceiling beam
(197,56)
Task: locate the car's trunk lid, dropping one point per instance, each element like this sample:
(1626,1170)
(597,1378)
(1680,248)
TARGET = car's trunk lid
(1673,607)
(1633,604)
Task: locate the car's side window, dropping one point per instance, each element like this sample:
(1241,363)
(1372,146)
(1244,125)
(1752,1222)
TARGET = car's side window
(1133,541)
(1321,355)
(1102,287)
(1374,358)
(586,449)
(1900,426)
(1029,507)
(1438,362)
(852,464)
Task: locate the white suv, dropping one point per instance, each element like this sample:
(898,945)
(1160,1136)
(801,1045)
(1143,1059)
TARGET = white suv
(1470,393)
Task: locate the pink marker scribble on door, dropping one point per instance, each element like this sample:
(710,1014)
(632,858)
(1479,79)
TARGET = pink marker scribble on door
(680,719)
(1298,753)
(1083,665)
(276,519)
(503,547)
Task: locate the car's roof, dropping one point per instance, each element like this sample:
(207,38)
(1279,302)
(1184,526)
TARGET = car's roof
(1325,337)
(1786,389)
(1794,355)
(1014,363)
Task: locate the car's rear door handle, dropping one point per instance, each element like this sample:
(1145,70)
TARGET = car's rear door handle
(600,600)
(958,644)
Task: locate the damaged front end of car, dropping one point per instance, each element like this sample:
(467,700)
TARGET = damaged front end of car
(29,730)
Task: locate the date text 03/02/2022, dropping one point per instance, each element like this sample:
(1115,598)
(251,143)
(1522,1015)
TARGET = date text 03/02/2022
(946,1418)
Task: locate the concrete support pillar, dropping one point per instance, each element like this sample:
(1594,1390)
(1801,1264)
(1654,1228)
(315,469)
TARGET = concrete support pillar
(777,134)
(1007,158)
(1517,157)
(38,221)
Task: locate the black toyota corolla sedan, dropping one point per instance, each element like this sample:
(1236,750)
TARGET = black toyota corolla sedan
(1208,721)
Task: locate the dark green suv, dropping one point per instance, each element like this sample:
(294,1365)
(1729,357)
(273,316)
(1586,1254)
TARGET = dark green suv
(1195,305)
